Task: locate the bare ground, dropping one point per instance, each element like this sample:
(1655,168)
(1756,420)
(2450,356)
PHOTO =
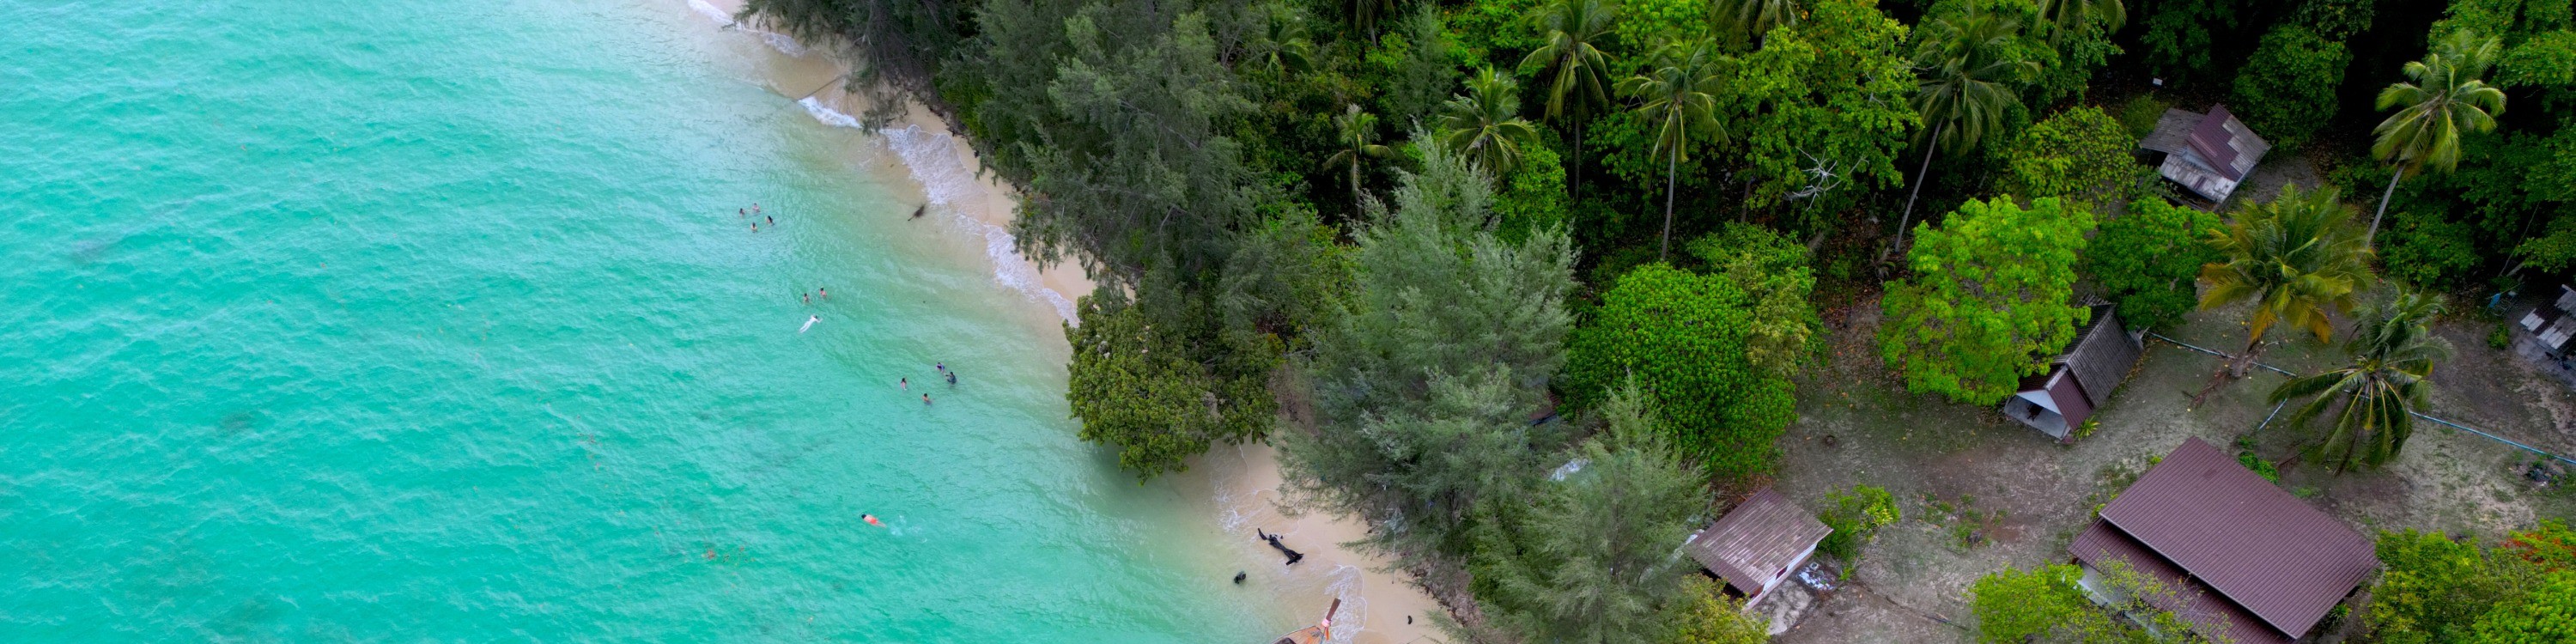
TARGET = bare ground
(1981,492)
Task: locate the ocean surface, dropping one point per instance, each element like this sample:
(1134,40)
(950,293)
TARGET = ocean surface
(436,321)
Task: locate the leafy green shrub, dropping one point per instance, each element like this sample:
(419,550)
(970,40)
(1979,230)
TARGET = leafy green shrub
(1773,271)
(2427,250)
(2079,153)
(2148,261)
(2245,456)
(2287,90)
(1988,302)
(1855,517)
(2139,115)
(2501,337)
(1683,337)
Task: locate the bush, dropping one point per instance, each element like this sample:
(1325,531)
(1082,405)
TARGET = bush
(2287,90)
(1683,337)
(2149,260)
(2139,115)
(1855,517)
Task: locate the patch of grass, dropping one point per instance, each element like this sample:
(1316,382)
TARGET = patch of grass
(2139,115)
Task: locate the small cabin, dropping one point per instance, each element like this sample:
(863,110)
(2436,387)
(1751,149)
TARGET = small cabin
(2246,560)
(1758,544)
(2079,380)
(2208,154)
(2549,327)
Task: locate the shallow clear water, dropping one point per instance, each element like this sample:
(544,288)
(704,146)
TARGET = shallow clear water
(429,321)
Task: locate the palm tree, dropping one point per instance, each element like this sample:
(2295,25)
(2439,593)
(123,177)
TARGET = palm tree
(2295,258)
(2070,15)
(1680,105)
(2445,98)
(1485,124)
(1364,14)
(1357,132)
(1283,46)
(2392,352)
(1578,74)
(1752,18)
(1967,63)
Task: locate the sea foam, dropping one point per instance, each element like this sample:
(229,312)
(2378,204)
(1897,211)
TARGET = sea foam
(948,182)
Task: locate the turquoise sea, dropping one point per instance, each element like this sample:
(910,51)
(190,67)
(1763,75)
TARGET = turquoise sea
(435,321)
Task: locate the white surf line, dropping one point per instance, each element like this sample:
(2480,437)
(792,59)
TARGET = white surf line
(947,181)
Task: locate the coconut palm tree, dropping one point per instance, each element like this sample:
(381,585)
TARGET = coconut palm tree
(2297,260)
(1357,136)
(1577,73)
(1749,19)
(2069,15)
(1679,105)
(1485,124)
(1364,15)
(2445,98)
(1284,46)
(1968,65)
(2393,350)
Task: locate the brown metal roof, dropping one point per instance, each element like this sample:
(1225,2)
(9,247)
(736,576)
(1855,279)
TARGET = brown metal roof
(2216,144)
(2286,562)
(2209,612)
(1754,544)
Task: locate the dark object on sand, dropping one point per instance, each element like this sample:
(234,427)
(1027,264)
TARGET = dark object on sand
(1293,556)
(1238,577)
(916,212)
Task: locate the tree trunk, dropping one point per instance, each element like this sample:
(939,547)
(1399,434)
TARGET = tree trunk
(1575,193)
(1356,210)
(2231,369)
(1669,169)
(1929,145)
(2383,207)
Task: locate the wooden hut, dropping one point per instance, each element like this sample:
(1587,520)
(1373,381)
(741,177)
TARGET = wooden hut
(2207,153)
(1758,544)
(2079,380)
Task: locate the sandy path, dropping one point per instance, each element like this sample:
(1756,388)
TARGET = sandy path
(1242,482)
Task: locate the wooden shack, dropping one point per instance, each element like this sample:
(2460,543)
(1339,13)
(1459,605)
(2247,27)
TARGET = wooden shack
(2079,380)
(1758,544)
(2208,154)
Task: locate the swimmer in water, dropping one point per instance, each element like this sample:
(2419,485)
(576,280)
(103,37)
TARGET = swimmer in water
(871,519)
(755,207)
(827,293)
(952,378)
(809,298)
(772,220)
(809,323)
(906,383)
(925,399)
(941,366)
(755,227)
(738,213)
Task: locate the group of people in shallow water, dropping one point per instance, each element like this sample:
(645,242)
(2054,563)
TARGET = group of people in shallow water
(942,367)
(746,213)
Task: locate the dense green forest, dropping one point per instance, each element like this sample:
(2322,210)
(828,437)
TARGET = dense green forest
(1437,250)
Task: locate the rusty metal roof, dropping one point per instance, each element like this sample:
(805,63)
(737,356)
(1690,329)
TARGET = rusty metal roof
(1754,544)
(2242,536)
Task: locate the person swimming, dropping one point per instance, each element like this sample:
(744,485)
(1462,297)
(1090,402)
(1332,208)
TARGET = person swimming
(827,293)
(941,366)
(739,213)
(871,519)
(809,323)
(952,378)
(809,298)
(905,383)
(925,399)
(772,220)
(755,207)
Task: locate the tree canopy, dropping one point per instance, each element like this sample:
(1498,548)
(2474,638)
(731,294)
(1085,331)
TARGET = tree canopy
(1989,301)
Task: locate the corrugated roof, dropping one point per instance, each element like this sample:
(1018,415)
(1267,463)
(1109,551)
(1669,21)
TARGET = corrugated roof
(2173,131)
(2209,612)
(2102,355)
(2216,143)
(1755,543)
(2286,562)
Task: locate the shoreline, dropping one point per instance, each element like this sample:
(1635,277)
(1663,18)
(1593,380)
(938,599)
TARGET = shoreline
(1240,483)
